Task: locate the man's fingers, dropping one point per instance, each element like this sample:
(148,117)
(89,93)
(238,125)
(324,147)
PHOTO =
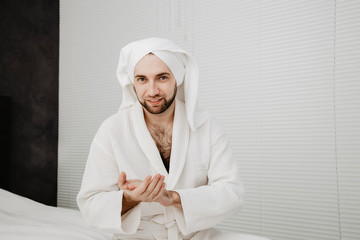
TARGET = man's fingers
(130,187)
(148,190)
(160,192)
(142,187)
(122,179)
(152,184)
(158,186)
(155,186)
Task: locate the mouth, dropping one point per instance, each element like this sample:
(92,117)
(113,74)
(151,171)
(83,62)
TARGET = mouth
(154,102)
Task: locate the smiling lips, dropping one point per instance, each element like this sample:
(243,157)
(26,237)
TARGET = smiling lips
(154,102)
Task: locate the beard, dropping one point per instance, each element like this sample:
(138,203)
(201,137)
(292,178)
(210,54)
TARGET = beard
(163,107)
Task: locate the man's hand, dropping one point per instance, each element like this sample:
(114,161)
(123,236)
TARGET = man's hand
(164,197)
(136,191)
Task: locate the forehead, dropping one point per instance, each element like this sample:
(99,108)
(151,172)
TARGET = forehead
(150,64)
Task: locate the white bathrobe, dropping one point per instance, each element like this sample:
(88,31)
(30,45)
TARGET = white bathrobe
(202,171)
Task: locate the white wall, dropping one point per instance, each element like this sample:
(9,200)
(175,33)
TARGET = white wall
(282,77)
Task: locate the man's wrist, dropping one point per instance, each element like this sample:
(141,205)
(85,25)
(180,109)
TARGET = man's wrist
(128,200)
(127,203)
(176,200)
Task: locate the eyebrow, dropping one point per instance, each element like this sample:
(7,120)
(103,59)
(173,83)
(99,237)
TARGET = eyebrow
(158,75)
(163,73)
(139,76)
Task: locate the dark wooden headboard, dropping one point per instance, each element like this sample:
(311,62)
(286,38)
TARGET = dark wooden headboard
(5,135)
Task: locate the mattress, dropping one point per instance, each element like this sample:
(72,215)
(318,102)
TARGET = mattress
(22,218)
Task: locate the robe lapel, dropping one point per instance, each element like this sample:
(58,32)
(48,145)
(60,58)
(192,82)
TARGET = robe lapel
(145,140)
(180,141)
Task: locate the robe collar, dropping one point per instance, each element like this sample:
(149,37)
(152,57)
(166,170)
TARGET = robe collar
(179,145)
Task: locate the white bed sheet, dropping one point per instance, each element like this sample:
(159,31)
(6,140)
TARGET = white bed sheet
(22,218)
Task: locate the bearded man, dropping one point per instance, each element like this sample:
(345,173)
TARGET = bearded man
(161,167)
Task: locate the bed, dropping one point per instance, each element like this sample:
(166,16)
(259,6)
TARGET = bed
(22,218)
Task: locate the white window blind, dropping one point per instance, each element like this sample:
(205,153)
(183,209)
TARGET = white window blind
(347,112)
(282,77)
(270,71)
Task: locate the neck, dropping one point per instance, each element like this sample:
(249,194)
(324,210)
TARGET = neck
(166,118)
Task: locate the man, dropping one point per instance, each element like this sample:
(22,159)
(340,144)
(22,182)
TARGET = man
(161,167)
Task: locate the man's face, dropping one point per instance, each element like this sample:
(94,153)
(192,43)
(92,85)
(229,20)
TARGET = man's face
(154,83)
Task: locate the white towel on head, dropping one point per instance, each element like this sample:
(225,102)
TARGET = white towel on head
(181,64)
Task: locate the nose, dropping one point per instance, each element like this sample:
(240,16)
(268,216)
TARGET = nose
(153,89)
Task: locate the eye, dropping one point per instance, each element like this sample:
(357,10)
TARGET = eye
(163,77)
(141,79)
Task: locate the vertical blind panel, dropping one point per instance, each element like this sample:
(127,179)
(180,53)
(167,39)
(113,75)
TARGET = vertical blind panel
(299,188)
(91,35)
(347,103)
(175,22)
(273,92)
(226,47)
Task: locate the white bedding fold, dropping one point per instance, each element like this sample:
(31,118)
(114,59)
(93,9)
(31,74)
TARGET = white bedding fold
(22,218)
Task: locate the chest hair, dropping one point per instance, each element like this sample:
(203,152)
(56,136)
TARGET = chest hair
(162,138)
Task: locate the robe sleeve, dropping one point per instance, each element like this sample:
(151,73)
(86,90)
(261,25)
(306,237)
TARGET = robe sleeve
(99,199)
(205,206)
